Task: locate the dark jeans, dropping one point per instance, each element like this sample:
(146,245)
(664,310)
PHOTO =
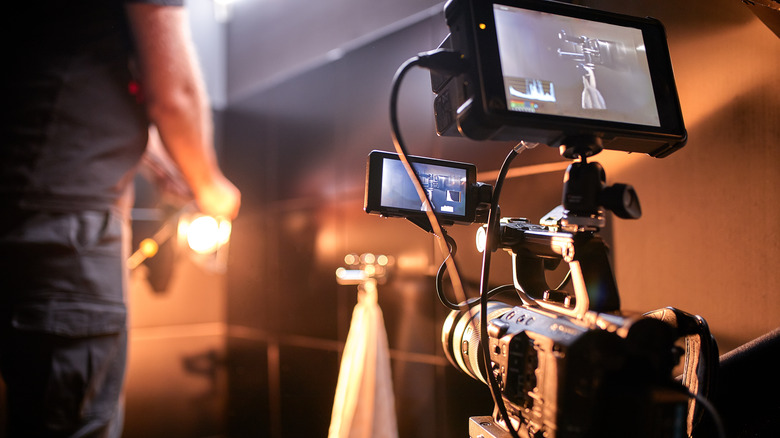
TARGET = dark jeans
(63,387)
(63,337)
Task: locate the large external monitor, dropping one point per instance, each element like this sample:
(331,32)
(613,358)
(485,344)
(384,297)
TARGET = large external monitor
(543,71)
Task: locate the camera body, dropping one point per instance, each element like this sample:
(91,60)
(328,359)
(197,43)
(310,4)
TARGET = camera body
(541,71)
(569,363)
(565,377)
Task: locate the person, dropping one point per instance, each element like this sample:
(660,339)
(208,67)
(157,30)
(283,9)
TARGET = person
(81,84)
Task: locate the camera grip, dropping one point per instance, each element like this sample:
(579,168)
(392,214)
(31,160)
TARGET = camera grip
(701,357)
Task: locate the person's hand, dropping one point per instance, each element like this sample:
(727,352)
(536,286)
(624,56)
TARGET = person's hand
(219,199)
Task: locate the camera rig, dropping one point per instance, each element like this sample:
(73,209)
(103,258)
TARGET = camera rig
(567,361)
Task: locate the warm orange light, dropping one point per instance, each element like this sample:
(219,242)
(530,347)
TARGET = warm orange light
(413,262)
(148,247)
(206,234)
(350,276)
(223,234)
(351,259)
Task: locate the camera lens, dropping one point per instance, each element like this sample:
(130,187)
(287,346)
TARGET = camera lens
(461,340)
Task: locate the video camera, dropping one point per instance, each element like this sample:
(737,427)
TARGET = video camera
(566,361)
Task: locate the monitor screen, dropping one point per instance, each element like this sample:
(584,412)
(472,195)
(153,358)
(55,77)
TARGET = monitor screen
(445,187)
(565,66)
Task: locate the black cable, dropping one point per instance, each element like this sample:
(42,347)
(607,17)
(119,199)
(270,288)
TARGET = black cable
(452,62)
(710,408)
(490,246)
(565,281)
(492,227)
(440,276)
(449,61)
(501,289)
(471,302)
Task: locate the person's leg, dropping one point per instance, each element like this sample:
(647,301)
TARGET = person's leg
(63,387)
(63,336)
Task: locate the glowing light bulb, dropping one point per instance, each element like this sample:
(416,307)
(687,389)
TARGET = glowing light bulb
(351,259)
(204,234)
(148,247)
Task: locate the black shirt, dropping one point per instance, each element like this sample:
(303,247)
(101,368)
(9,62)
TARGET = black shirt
(73,126)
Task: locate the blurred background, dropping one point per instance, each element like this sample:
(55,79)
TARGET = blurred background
(250,346)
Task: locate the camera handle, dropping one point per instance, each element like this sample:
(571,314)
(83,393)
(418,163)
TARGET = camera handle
(535,248)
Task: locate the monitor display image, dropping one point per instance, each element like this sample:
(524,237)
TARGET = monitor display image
(445,187)
(566,66)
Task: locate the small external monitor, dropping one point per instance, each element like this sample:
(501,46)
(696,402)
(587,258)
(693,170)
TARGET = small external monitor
(449,186)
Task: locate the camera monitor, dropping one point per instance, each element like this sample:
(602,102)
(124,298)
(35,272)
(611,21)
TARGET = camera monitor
(449,186)
(542,70)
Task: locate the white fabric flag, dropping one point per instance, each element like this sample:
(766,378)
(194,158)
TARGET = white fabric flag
(364,406)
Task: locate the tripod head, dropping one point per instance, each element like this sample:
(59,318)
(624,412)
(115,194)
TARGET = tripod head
(585,190)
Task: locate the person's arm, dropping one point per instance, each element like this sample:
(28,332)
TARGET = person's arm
(177,103)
